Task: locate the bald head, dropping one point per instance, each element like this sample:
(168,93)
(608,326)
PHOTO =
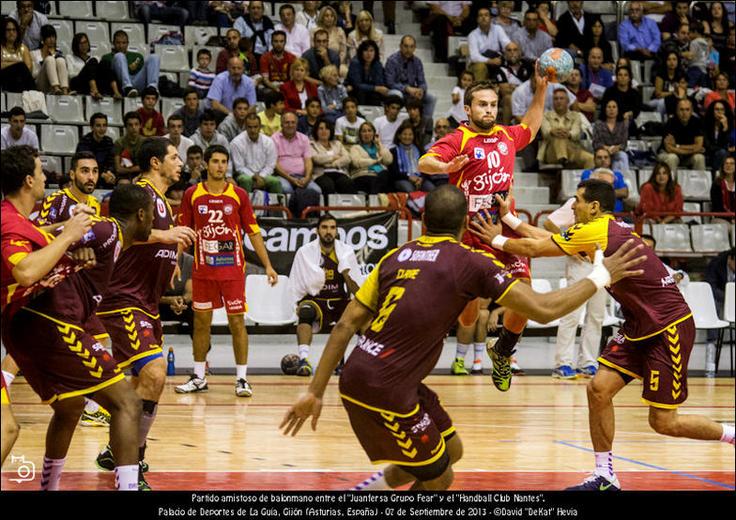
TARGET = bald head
(603,174)
(444,210)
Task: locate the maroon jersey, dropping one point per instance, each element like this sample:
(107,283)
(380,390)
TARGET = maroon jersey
(143,271)
(417,293)
(219,221)
(75,299)
(58,207)
(334,286)
(650,302)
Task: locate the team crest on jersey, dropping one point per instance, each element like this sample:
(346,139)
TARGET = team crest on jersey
(228,209)
(52,213)
(503,148)
(88,236)
(202,209)
(161,207)
(479,153)
(405,255)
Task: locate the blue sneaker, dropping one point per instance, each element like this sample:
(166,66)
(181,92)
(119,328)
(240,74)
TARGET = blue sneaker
(597,483)
(587,372)
(564,372)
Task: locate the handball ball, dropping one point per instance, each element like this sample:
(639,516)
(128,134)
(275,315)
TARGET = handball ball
(289,364)
(556,64)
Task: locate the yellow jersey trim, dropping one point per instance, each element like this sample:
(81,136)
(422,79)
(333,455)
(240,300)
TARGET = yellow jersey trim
(5,397)
(58,322)
(86,391)
(660,405)
(449,431)
(618,368)
(16,258)
(143,180)
(133,359)
(104,335)
(441,447)
(379,410)
(128,309)
(660,331)
(508,289)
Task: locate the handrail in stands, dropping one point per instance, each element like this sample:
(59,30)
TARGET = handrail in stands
(283,209)
(402,212)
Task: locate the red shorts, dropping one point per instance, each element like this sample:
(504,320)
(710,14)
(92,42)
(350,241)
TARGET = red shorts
(518,266)
(59,360)
(660,362)
(210,294)
(135,334)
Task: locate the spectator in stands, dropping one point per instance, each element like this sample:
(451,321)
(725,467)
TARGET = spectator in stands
(152,122)
(254,158)
(456,114)
(331,93)
(126,148)
(679,93)
(175,126)
(30,23)
(320,56)
(83,68)
(561,129)
(612,133)
(720,271)
(672,21)
(347,127)
(602,160)
(256,27)
(294,157)
(223,13)
(207,134)
(345,17)
(521,98)
(16,59)
(231,49)
(638,35)
(307,120)
(366,75)
(387,124)
(585,102)
(717,25)
(571,27)
(364,30)
(131,70)
(405,76)
(201,77)
(17,133)
(723,189)
(369,161)
(728,56)
(442,127)
(595,38)
(660,193)
(194,169)
(546,21)
(532,41)
(234,124)
(721,92)
(596,79)
(230,85)
(297,90)
(628,98)
(515,71)
(191,111)
(308,15)
(99,143)
(422,125)
(275,64)
(271,116)
(336,39)
(49,65)
(678,42)
(717,132)
(697,72)
(486,43)
(666,81)
(682,145)
(160,11)
(331,160)
(446,19)
(297,36)
(504,19)
(403,172)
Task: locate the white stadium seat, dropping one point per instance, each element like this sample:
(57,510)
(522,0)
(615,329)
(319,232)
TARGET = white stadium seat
(64,33)
(710,238)
(346,199)
(695,184)
(693,207)
(269,305)
(133,104)
(569,184)
(99,48)
(198,35)
(173,57)
(155,31)
(59,139)
(108,106)
(113,132)
(112,10)
(672,238)
(170,105)
(541,285)
(135,31)
(65,109)
(52,163)
(70,9)
(97,31)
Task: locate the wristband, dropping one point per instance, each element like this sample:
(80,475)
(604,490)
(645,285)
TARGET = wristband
(511,221)
(498,242)
(600,275)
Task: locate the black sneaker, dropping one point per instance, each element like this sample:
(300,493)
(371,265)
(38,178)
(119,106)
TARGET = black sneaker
(142,484)
(597,483)
(106,461)
(130,92)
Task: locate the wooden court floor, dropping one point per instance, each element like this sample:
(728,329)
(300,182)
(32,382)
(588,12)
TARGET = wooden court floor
(534,437)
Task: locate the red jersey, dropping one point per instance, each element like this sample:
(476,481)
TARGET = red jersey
(491,166)
(143,271)
(219,221)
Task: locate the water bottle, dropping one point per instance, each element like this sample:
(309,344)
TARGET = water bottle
(170,368)
(710,360)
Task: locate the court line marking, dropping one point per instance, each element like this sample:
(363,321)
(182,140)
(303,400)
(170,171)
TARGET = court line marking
(652,466)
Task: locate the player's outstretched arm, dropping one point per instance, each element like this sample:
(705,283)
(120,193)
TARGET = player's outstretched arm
(533,117)
(181,235)
(355,317)
(433,166)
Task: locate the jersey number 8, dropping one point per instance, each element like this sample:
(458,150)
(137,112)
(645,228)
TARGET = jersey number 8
(389,304)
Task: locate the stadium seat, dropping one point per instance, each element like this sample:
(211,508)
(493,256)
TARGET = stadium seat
(644,175)
(541,285)
(630,178)
(173,57)
(526,195)
(338,199)
(269,305)
(112,131)
(198,35)
(136,31)
(97,31)
(99,48)
(155,31)
(59,139)
(569,184)
(699,297)
(692,207)
(695,184)
(64,32)
(3,106)
(710,238)
(729,305)
(170,105)
(52,163)
(65,109)
(7,7)
(139,47)
(672,238)
(112,10)
(69,9)
(111,108)
(645,117)
(370,112)
(133,104)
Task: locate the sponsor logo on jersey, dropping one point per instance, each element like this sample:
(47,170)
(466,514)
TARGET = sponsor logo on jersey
(421,425)
(479,153)
(499,278)
(97,298)
(490,140)
(52,214)
(20,243)
(424,256)
(371,347)
(166,253)
(209,246)
(98,347)
(503,148)
(161,207)
(202,305)
(212,231)
(118,250)
(668,280)
(145,324)
(405,255)
(88,236)
(236,303)
(202,209)
(226,246)
(228,209)
(220,260)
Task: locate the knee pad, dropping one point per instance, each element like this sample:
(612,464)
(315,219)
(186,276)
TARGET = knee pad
(307,314)
(430,471)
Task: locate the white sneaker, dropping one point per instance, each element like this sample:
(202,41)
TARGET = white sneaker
(194,384)
(242,388)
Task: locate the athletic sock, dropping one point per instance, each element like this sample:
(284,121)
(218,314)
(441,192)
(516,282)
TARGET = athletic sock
(729,432)
(147,418)
(51,475)
(199,368)
(241,371)
(604,464)
(376,482)
(462,349)
(507,340)
(8,379)
(303,351)
(126,478)
(90,406)
(478,348)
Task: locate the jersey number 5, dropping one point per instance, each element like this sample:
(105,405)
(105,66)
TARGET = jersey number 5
(389,304)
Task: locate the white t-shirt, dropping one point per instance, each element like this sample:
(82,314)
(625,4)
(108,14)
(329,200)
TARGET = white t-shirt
(457,110)
(348,130)
(387,130)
